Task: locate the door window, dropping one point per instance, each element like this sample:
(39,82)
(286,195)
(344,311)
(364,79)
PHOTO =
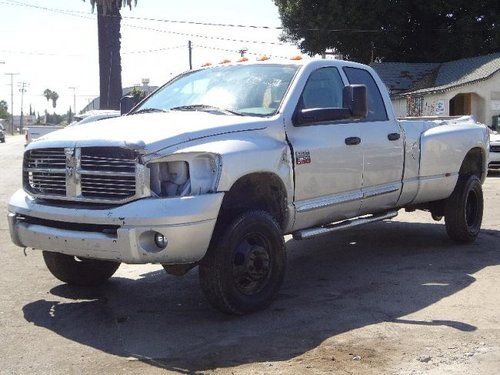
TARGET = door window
(376,106)
(323,89)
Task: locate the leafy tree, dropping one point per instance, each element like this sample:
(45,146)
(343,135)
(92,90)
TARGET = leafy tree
(138,93)
(393,30)
(4,110)
(110,68)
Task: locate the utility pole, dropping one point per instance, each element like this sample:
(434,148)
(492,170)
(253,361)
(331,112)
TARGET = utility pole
(11,100)
(22,90)
(74,98)
(190,48)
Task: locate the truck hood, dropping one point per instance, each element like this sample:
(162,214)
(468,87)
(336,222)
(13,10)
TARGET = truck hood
(150,132)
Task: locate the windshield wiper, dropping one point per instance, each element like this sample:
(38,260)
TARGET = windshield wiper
(148,110)
(206,108)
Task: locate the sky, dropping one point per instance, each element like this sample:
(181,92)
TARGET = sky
(57,48)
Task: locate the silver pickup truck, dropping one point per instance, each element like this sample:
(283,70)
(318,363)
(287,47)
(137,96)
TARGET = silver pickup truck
(215,167)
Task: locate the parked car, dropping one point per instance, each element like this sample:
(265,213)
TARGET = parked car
(91,116)
(214,168)
(33,132)
(494,162)
(38,131)
(2,134)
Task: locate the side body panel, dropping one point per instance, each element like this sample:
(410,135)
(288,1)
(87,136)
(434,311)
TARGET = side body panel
(441,146)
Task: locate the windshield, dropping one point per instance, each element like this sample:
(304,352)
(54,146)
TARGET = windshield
(241,89)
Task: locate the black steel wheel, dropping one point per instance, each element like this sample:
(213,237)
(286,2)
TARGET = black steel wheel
(464,210)
(245,264)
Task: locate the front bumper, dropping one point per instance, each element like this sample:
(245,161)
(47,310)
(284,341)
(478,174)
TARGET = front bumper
(187,223)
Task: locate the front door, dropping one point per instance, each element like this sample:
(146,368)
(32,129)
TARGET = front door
(328,164)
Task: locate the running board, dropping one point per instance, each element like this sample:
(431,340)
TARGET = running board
(308,233)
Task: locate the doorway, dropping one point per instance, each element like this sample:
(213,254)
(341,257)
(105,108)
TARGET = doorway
(461,105)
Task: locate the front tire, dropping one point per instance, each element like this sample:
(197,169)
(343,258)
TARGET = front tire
(464,210)
(79,271)
(244,267)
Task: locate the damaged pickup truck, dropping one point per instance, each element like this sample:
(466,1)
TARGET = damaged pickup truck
(215,167)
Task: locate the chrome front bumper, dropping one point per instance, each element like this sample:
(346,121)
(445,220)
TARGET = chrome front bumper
(187,223)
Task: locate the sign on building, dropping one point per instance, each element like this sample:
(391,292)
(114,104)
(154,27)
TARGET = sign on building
(440,107)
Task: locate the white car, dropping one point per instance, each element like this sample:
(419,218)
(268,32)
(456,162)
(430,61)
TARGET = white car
(494,162)
(214,168)
(34,132)
(91,116)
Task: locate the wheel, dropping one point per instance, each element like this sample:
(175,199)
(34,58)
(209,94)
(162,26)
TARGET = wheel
(79,271)
(464,210)
(245,264)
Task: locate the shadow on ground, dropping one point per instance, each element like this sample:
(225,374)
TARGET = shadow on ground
(374,274)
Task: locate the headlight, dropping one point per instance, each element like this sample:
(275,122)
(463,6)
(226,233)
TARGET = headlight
(185,174)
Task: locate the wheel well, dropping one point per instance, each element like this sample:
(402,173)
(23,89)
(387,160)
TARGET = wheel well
(257,191)
(473,163)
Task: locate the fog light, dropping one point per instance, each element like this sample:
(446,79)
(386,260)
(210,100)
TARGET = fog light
(161,241)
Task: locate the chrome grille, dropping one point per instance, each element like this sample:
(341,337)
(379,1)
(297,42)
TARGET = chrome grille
(108,173)
(45,171)
(495,148)
(91,174)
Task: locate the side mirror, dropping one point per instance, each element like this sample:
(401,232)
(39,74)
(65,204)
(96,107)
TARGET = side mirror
(354,103)
(127,103)
(355,99)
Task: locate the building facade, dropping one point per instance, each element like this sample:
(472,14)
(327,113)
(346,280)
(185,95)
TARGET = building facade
(462,87)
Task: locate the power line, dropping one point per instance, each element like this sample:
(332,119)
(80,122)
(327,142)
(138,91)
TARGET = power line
(238,51)
(50,54)
(196,23)
(189,35)
(152,50)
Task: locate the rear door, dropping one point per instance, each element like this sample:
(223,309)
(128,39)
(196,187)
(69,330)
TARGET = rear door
(383,148)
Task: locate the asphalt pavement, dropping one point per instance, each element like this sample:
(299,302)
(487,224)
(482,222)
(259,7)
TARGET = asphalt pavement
(395,297)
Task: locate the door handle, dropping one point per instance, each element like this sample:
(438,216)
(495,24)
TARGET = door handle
(393,136)
(352,141)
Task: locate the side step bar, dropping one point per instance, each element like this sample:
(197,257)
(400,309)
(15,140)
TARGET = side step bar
(308,233)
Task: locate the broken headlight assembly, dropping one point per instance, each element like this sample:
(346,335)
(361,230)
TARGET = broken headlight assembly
(182,175)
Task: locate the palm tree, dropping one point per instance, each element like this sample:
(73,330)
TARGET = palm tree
(54,96)
(47,93)
(110,67)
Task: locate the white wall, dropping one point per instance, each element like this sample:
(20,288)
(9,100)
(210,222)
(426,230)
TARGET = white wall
(485,101)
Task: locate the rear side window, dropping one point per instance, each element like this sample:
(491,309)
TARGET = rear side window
(376,107)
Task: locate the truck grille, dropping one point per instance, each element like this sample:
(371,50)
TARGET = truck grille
(45,171)
(495,148)
(93,174)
